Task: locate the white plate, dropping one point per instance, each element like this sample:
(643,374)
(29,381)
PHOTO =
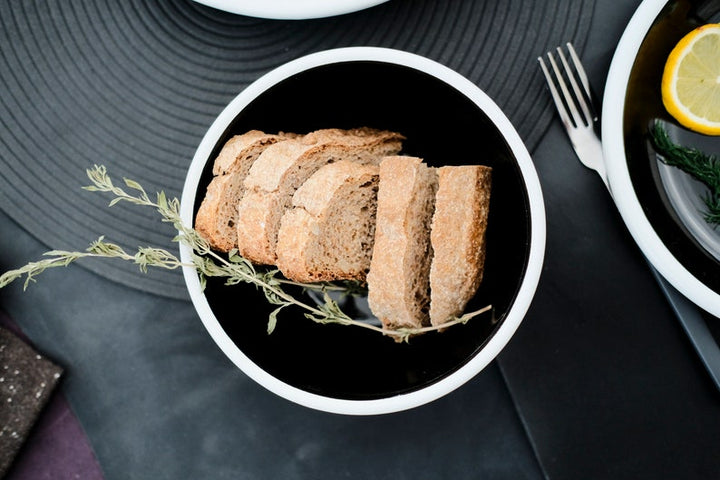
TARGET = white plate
(291,9)
(691,280)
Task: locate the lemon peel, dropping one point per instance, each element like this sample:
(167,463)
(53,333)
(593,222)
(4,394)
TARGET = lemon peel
(691,80)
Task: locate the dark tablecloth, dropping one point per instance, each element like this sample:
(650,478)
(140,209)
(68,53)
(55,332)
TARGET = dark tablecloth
(607,382)
(599,381)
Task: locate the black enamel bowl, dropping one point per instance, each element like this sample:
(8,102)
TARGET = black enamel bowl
(447,120)
(661,205)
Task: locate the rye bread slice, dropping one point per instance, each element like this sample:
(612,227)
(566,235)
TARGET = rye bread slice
(398,280)
(282,168)
(458,238)
(216,219)
(329,232)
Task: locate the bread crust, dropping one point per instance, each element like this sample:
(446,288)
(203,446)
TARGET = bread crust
(398,278)
(210,214)
(282,168)
(239,146)
(458,238)
(217,216)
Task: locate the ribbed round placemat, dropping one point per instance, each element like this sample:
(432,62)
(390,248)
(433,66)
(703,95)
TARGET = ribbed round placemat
(133,85)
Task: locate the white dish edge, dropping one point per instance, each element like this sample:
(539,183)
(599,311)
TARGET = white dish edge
(290,9)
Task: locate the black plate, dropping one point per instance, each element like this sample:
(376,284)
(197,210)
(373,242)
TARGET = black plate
(643,106)
(443,127)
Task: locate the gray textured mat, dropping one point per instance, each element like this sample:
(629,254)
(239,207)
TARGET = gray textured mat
(134,85)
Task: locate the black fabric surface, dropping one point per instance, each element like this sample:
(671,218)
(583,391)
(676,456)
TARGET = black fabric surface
(158,399)
(135,84)
(606,381)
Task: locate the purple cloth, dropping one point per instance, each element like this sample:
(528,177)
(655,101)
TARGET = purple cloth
(56,447)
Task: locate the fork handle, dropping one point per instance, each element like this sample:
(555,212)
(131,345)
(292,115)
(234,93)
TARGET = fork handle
(591,148)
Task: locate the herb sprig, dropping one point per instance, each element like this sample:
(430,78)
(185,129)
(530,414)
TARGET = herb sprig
(701,166)
(234,268)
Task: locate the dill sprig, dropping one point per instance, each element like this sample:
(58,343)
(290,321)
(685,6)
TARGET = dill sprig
(233,267)
(701,166)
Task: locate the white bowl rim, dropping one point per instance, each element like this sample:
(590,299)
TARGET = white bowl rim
(616,162)
(290,9)
(524,295)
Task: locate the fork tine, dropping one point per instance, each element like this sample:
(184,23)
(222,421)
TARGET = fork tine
(567,96)
(578,93)
(564,116)
(579,68)
(583,78)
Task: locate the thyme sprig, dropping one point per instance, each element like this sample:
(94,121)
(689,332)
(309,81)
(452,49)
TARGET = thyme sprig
(208,263)
(144,257)
(701,166)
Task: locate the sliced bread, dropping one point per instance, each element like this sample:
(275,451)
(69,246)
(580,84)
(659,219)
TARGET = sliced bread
(329,232)
(216,219)
(283,167)
(398,280)
(458,238)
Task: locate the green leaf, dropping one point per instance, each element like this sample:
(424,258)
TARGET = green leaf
(162,201)
(134,185)
(272,319)
(234,257)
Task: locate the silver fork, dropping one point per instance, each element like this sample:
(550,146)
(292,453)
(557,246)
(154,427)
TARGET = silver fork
(579,117)
(576,109)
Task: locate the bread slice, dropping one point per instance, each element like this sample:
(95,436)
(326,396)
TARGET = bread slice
(329,233)
(283,167)
(398,280)
(458,238)
(216,219)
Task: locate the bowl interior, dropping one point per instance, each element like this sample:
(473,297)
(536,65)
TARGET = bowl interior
(445,128)
(670,199)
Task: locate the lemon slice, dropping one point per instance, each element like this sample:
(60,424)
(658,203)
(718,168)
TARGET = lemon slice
(691,80)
